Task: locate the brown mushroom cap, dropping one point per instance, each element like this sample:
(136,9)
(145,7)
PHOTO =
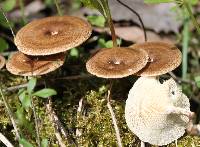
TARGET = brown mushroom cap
(117,62)
(164,57)
(2,61)
(52,35)
(21,64)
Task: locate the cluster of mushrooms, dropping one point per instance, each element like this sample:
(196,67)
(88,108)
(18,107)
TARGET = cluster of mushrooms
(43,44)
(158,113)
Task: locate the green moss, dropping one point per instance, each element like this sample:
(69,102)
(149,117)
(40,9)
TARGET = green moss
(95,126)
(90,127)
(187,141)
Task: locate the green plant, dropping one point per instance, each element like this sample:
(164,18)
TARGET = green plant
(26,97)
(98,21)
(186,7)
(103,7)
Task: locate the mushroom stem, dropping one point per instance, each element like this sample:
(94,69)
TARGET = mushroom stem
(111,25)
(142,144)
(113,34)
(176,143)
(138,15)
(10,113)
(114,120)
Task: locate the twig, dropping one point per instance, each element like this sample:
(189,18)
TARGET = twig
(137,14)
(9,111)
(114,120)
(57,124)
(192,83)
(7,21)
(180,80)
(13,88)
(76,77)
(176,143)
(5,141)
(79,110)
(41,82)
(52,118)
(36,122)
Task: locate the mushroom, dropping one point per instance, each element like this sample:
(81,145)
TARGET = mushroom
(117,62)
(163,57)
(52,35)
(21,64)
(158,113)
(2,61)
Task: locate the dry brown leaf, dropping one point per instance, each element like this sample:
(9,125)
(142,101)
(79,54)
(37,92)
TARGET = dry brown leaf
(135,34)
(157,17)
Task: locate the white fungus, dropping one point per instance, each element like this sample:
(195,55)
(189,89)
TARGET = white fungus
(157,113)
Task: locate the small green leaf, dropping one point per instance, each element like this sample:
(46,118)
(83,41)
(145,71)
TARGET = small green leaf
(8,5)
(31,85)
(158,1)
(49,3)
(197,80)
(20,115)
(44,143)
(22,120)
(193,2)
(3,45)
(25,99)
(4,23)
(74,52)
(95,4)
(45,93)
(98,21)
(107,44)
(25,143)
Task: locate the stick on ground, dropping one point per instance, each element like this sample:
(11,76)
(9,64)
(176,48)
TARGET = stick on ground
(114,120)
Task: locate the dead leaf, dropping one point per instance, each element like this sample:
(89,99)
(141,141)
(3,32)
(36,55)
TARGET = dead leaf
(135,34)
(157,17)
